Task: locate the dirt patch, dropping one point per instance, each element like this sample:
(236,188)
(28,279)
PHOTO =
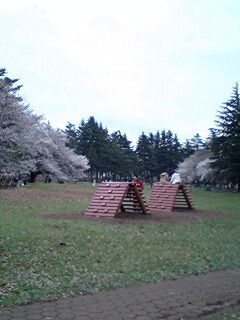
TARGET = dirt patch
(160,217)
(60,193)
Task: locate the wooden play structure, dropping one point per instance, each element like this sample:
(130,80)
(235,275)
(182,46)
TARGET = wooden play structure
(168,197)
(114,198)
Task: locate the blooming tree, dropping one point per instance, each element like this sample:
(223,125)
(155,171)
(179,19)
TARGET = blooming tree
(197,167)
(29,145)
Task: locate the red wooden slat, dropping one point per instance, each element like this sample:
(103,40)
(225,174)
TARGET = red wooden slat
(110,198)
(165,197)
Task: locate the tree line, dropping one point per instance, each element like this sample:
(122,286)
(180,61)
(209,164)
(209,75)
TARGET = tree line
(112,156)
(89,151)
(213,161)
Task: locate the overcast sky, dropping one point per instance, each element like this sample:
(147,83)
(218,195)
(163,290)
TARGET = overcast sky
(135,65)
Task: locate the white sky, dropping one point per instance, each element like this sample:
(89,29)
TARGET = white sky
(135,66)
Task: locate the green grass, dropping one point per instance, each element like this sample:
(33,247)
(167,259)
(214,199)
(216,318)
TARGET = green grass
(229,313)
(216,201)
(45,258)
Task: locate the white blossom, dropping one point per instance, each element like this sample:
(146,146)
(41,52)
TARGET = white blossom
(27,144)
(196,167)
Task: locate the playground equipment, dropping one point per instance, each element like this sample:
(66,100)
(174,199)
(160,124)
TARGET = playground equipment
(168,197)
(113,198)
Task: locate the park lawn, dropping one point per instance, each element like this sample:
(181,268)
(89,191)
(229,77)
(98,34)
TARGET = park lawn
(42,259)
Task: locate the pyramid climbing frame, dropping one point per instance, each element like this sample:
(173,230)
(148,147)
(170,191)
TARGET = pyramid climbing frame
(168,197)
(113,198)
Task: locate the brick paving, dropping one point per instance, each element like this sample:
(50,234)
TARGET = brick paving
(182,299)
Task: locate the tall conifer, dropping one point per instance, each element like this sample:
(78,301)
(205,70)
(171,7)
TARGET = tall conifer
(225,140)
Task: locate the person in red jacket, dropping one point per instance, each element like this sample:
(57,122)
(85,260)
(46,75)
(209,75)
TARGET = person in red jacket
(138,182)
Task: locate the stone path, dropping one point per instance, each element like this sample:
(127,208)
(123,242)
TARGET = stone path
(182,299)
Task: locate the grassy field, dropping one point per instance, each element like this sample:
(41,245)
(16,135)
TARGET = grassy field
(42,259)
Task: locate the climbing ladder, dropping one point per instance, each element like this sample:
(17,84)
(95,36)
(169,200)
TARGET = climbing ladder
(113,198)
(168,197)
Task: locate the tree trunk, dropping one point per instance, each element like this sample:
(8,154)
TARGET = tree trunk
(33,176)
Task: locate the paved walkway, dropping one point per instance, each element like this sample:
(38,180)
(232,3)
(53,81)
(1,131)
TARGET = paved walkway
(182,299)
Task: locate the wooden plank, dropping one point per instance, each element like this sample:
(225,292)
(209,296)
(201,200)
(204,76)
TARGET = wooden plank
(166,197)
(112,198)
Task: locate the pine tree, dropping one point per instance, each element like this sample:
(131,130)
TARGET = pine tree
(197,142)
(168,152)
(127,159)
(72,137)
(187,149)
(93,141)
(225,140)
(160,152)
(146,157)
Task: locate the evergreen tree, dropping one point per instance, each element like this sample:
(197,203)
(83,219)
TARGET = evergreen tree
(71,133)
(187,149)
(127,158)
(171,156)
(177,154)
(146,157)
(160,151)
(197,142)
(168,152)
(110,156)
(225,140)
(93,140)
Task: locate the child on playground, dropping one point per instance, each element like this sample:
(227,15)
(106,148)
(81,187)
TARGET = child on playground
(164,178)
(138,182)
(176,179)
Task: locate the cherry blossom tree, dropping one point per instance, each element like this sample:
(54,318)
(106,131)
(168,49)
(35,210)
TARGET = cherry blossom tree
(29,145)
(197,167)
